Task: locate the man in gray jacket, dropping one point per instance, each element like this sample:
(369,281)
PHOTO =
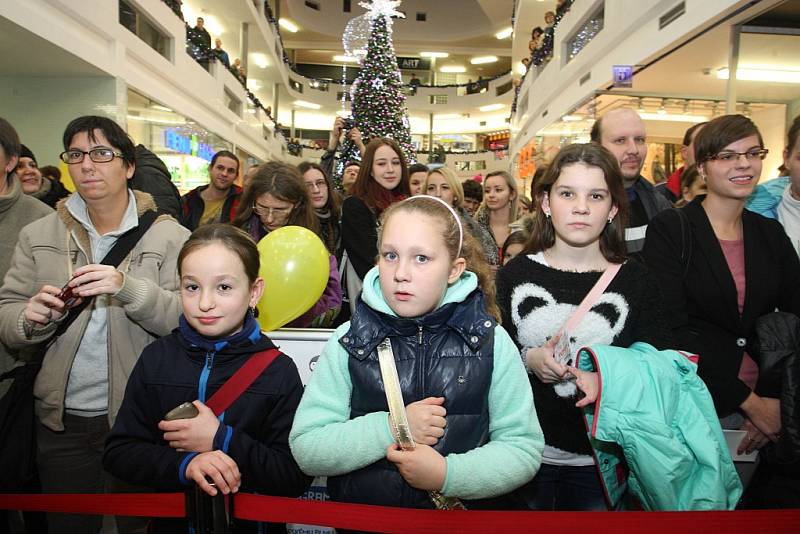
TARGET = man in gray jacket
(622,132)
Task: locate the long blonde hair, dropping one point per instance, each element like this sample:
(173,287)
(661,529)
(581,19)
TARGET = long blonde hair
(451,179)
(471,250)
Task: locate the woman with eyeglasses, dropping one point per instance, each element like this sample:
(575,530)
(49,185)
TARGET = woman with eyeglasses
(278,197)
(720,268)
(326,204)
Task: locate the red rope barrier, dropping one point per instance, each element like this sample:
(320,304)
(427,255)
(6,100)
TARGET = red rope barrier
(390,519)
(125,504)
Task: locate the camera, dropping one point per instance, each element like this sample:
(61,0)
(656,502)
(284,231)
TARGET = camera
(348,123)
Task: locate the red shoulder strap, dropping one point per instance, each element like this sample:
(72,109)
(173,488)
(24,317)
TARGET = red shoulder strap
(241,380)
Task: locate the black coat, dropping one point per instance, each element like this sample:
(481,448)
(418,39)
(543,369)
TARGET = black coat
(152,176)
(700,297)
(167,375)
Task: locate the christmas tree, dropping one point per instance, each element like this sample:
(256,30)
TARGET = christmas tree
(379,108)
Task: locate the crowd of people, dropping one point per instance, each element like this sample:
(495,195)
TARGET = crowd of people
(134,302)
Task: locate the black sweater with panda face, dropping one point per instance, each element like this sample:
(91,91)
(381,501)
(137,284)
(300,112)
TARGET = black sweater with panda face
(536,300)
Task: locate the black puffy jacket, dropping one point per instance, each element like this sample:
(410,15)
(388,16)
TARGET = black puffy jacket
(434,354)
(777,351)
(152,176)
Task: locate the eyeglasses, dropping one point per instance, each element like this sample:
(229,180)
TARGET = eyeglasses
(276,213)
(98,155)
(319,184)
(730,157)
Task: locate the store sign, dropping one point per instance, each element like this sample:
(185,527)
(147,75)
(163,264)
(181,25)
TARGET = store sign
(623,75)
(413,63)
(187,145)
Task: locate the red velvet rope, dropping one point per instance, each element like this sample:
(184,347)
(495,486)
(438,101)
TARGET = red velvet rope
(389,519)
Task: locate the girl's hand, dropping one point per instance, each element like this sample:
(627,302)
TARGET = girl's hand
(426,418)
(195,434)
(764,413)
(587,381)
(44,307)
(423,468)
(217,466)
(540,360)
(754,439)
(96,279)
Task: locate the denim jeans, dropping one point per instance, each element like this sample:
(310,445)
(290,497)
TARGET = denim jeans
(564,488)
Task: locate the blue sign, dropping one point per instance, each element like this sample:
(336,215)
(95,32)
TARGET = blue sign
(623,75)
(187,145)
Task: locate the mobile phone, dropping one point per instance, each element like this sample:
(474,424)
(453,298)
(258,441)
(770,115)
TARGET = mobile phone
(187,410)
(67,296)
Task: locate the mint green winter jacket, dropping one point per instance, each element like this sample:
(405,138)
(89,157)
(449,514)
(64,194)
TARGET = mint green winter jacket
(654,424)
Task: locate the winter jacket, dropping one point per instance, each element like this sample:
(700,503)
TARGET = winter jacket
(359,235)
(152,176)
(767,196)
(147,306)
(253,430)
(17,210)
(777,352)
(655,415)
(492,441)
(482,235)
(192,206)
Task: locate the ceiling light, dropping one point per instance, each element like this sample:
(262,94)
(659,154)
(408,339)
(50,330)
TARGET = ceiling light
(572,118)
(345,59)
(159,107)
(260,60)
(304,104)
(504,33)
(672,118)
(288,25)
(453,68)
(480,60)
(447,116)
(756,74)
(492,107)
(434,54)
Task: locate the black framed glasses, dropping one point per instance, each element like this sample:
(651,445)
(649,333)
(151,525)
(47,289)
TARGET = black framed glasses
(97,155)
(730,156)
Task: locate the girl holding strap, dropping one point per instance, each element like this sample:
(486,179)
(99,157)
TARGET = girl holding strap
(469,407)
(245,448)
(577,235)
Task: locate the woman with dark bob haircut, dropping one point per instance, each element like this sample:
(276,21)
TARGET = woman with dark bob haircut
(721,268)
(581,210)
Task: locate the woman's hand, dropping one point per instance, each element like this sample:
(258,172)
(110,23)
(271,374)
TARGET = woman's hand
(423,468)
(426,419)
(195,434)
(764,413)
(96,279)
(540,360)
(217,466)
(44,307)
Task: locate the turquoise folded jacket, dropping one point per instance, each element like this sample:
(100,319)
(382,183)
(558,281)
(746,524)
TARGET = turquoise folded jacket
(655,431)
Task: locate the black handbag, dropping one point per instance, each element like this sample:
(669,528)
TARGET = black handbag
(17,418)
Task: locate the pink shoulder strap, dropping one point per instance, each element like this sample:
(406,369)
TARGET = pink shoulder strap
(591,297)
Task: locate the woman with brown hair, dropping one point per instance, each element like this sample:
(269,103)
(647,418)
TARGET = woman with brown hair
(499,208)
(382,180)
(277,197)
(578,233)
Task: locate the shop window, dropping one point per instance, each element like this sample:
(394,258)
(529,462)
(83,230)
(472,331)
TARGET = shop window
(421,17)
(297,86)
(312,5)
(585,32)
(438,99)
(346,6)
(343,95)
(137,23)
(319,85)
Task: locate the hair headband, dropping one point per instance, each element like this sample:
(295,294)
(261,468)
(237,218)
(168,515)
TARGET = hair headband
(452,212)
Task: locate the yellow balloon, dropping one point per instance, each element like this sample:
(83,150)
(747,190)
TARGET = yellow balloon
(295,266)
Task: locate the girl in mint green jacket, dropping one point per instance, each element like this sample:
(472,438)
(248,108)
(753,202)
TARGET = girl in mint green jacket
(467,398)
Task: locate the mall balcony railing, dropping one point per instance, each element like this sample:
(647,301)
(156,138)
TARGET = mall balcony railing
(593,37)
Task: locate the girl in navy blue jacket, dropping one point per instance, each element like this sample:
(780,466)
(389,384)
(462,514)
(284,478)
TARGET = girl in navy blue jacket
(246,447)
